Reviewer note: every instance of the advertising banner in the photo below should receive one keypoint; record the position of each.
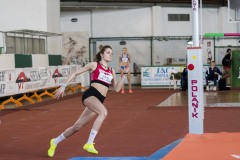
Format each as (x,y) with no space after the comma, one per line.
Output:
(158,76)
(23,80)
(7,82)
(28,79)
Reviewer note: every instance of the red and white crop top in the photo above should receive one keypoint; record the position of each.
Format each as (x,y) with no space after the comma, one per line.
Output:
(102,76)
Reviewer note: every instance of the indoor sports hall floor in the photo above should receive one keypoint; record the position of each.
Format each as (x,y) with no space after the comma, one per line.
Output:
(138,125)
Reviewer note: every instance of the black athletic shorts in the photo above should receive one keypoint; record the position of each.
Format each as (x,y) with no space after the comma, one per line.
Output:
(91,91)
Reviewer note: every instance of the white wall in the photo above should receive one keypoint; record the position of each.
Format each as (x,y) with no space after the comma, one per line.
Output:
(214,20)
(40,60)
(7,61)
(224,25)
(23,14)
(146,22)
(175,28)
(1,39)
(143,22)
(122,23)
(45,15)
(156,20)
(39,15)
(53,16)
(210,20)
(83,23)
(109,23)
(53,25)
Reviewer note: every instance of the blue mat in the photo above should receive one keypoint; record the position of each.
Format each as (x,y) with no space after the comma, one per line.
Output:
(155,156)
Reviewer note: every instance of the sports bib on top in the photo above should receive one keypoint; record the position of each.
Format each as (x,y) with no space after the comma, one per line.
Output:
(102,76)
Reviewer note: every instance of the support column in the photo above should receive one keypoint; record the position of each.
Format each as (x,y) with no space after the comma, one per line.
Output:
(195,78)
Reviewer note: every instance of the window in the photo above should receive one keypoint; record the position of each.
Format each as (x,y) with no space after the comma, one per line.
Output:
(25,45)
(178,17)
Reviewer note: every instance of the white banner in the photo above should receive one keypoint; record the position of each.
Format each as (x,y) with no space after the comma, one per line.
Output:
(28,79)
(22,80)
(78,78)
(158,76)
(7,82)
(44,73)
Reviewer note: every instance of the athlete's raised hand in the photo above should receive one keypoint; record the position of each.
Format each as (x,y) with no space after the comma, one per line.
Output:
(60,91)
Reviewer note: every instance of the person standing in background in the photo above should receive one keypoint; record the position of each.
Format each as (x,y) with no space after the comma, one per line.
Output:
(226,63)
(124,61)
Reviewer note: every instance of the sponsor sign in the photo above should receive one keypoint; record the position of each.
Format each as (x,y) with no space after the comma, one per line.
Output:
(158,76)
(22,80)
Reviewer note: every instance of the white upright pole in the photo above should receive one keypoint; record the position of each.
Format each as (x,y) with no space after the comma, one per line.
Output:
(201,29)
(195,78)
(195,23)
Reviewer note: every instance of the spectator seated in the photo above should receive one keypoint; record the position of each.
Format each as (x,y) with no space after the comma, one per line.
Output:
(213,74)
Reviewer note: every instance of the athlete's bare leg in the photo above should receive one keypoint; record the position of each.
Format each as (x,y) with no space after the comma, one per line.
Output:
(122,72)
(96,106)
(84,118)
(129,82)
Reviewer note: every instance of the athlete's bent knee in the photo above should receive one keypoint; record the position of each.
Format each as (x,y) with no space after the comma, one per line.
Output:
(103,114)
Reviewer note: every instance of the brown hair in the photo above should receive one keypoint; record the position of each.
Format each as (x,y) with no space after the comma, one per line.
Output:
(101,51)
(228,50)
(100,47)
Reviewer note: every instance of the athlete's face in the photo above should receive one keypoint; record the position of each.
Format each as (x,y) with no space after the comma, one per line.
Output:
(124,50)
(107,55)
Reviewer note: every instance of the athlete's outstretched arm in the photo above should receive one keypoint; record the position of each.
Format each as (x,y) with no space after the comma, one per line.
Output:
(89,67)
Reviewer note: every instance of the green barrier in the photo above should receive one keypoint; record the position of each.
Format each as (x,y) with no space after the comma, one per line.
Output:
(1,50)
(23,60)
(55,60)
(214,35)
(235,72)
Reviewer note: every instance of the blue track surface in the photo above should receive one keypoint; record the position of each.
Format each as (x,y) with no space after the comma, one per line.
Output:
(155,156)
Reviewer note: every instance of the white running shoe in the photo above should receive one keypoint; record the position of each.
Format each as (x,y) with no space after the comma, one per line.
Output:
(215,88)
(207,88)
